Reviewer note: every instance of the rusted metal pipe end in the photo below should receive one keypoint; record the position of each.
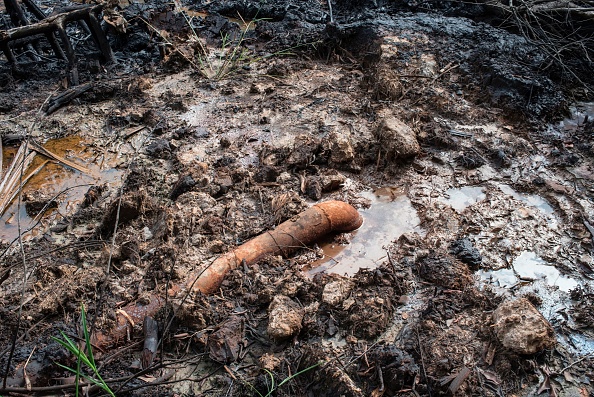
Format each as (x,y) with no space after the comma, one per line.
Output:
(343,217)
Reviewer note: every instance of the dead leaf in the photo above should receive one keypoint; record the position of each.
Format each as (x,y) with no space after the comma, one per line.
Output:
(490,376)
(27,380)
(491,349)
(568,376)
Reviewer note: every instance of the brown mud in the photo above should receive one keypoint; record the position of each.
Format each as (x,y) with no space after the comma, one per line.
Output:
(459,141)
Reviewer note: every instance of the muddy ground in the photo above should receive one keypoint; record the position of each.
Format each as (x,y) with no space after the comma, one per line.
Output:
(466,147)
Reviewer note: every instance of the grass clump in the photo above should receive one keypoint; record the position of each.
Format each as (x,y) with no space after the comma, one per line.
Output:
(84,358)
(273,386)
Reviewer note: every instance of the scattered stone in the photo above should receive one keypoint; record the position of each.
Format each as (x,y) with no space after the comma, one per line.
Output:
(332,182)
(397,139)
(520,327)
(160,149)
(304,151)
(284,318)
(224,344)
(183,185)
(341,150)
(335,292)
(216,247)
(467,253)
(445,271)
(313,188)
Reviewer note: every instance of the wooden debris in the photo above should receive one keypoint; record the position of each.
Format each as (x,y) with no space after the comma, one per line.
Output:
(10,185)
(64,98)
(41,150)
(17,174)
(151,341)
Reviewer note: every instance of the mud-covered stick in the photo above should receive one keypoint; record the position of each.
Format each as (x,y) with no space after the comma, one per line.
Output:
(307,227)
(126,318)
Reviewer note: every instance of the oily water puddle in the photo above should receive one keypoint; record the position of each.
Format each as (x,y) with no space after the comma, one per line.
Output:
(68,186)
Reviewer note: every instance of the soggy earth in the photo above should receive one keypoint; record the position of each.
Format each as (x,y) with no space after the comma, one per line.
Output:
(466,147)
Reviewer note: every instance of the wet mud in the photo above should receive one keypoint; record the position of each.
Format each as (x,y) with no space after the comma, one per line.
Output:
(457,139)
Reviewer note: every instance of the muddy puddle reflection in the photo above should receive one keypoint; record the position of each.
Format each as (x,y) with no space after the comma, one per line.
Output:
(532,200)
(390,215)
(580,114)
(527,268)
(56,180)
(462,198)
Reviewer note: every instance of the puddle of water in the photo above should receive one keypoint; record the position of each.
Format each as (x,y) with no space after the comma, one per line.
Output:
(583,345)
(196,115)
(529,267)
(578,115)
(390,215)
(532,200)
(462,198)
(55,178)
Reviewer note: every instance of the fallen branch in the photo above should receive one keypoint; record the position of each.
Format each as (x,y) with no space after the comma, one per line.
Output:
(10,184)
(64,98)
(307,227)
(41,150)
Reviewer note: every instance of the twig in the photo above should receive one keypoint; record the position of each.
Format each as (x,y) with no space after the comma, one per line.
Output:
(41,150)
(423,361)
(22,299)
(577,362)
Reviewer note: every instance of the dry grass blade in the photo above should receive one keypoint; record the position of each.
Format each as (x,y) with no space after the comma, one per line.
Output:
(41,150)
(11,184)
(8,199)
(18,157)
(278,203)
(12,181)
